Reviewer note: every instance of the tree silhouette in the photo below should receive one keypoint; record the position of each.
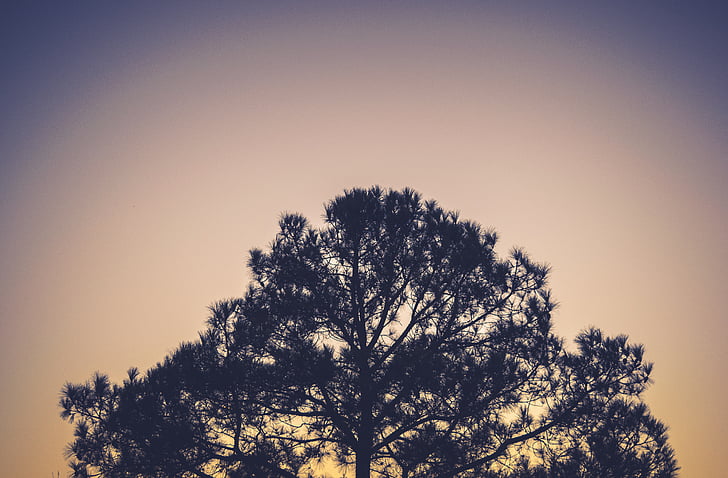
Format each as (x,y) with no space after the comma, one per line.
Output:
(392,342)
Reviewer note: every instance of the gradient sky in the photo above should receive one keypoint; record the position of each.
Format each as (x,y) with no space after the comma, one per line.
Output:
(145,149)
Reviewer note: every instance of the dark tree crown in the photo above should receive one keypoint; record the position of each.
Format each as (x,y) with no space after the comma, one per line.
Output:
(392,341)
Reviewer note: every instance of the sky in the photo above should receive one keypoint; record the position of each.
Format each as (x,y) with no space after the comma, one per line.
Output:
(145,149)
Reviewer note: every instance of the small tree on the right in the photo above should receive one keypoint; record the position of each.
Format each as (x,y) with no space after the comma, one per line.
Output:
(615,439)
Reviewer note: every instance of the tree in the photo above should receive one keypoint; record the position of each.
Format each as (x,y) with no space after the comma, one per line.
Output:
(392,341)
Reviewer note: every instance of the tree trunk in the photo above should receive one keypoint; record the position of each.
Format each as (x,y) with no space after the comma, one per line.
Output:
(365,432)
(364,438)
(363,462)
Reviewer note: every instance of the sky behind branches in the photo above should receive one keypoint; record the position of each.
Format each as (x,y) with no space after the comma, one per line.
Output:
(144,149)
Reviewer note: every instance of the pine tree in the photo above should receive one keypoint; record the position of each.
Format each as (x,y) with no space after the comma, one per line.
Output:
(392,342)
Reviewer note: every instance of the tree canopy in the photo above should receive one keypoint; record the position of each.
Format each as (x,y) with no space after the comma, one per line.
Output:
(391,341)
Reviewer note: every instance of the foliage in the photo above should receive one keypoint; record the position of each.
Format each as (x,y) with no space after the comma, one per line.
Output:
(391,342)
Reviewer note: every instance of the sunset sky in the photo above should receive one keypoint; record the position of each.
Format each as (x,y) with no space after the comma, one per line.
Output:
(145,149)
